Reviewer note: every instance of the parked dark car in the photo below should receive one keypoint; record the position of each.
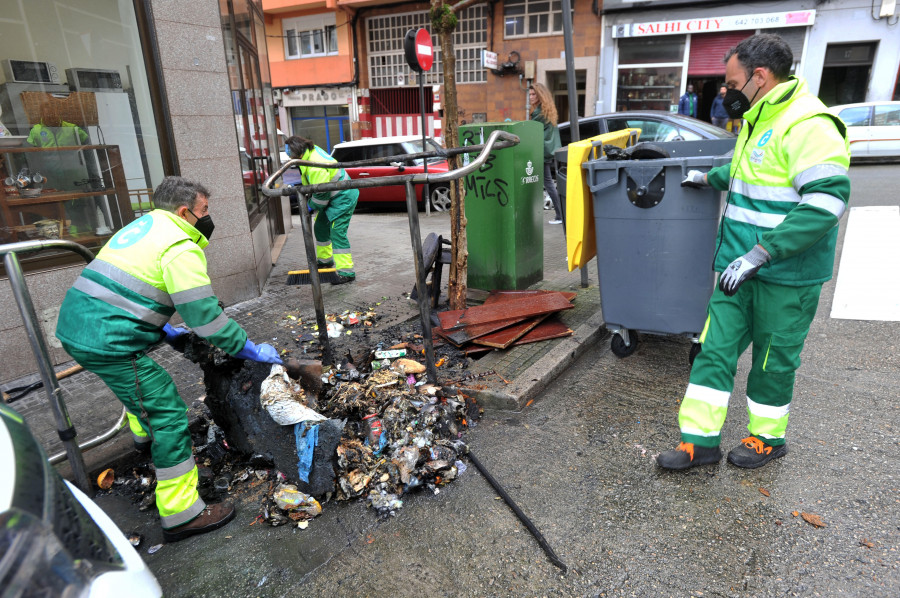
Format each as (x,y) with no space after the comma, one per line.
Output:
(384,147)
(655,125)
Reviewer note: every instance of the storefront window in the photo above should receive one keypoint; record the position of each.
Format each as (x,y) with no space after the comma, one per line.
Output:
(648,88)
(79,149)
(651,50)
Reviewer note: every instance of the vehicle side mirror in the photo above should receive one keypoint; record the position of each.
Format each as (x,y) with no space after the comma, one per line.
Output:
(399,166)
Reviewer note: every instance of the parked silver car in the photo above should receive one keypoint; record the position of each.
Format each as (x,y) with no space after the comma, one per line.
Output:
(54,540)
(873,129)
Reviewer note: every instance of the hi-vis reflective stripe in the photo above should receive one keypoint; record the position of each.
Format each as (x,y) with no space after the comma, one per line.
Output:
(765,193)
(826,202)
(182,297)
(129,282)
(323,243)
(696,432)
(705,394)
(767,411)
(89,287)
(213,327)
(170,473)
(753,217)
(818,172)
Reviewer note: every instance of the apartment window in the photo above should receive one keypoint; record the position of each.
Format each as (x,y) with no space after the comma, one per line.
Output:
(308,37)
(387,65)
(532,17)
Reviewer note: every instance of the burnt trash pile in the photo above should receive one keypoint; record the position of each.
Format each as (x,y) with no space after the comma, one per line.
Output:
(370,427)
(506,319)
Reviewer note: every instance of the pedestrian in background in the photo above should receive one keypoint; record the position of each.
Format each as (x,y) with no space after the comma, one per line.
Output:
(120,306)
(717,113)
(544,112)
(688,103)
(333,208)
(787,189)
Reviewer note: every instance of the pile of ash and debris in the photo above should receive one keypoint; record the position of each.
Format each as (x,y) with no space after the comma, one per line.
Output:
(370,426)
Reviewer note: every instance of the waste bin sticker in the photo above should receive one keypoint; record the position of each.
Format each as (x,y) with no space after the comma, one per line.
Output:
(530,176)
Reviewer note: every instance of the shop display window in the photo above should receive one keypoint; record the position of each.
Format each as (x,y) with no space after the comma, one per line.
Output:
(79,149)
(648,88)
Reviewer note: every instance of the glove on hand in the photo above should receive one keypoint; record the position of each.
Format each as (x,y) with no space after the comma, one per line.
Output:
(172,334)
(741,269)
(695,179)
(262,353)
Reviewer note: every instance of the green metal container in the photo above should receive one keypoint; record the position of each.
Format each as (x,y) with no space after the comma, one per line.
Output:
(504,208)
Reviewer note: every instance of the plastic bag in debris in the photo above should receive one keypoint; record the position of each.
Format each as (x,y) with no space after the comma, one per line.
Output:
(334,330)
(284,399)
(287,497)
(385,503)
(306,436)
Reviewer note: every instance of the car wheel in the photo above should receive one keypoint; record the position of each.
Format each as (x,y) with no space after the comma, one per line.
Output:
(440,198)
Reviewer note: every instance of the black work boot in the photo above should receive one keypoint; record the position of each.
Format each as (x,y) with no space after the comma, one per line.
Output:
(687,455)
(341,279)
(212,517)
(753,452)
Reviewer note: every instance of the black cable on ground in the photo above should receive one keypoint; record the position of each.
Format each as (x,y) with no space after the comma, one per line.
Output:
(22,390)
(522,517)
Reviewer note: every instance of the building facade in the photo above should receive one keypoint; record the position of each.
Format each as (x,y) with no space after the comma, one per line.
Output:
(102,99)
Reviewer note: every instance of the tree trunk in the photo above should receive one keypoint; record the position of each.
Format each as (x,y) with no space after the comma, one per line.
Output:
(443,22)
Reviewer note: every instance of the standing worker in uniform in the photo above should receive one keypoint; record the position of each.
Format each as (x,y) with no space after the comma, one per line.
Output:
(121,305)
(334,208)
(544,112)
(787,190)
(688,103)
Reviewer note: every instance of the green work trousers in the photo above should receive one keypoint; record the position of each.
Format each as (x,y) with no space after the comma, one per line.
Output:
(775,319)
(151,398)
(330,228)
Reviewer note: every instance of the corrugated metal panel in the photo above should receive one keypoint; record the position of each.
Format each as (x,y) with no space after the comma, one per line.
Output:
(708,50)
(794,37)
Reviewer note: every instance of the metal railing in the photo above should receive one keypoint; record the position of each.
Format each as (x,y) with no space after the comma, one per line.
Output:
(64,426)
(496,140)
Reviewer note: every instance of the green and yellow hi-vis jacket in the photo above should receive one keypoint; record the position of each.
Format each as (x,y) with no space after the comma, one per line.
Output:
(788,187)
(151,268)
(310,175)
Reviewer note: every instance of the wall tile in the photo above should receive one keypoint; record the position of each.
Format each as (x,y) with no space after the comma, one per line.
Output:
(205,14)
(190,47)
(198,94)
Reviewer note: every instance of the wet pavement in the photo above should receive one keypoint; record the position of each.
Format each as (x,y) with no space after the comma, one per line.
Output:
(579,461)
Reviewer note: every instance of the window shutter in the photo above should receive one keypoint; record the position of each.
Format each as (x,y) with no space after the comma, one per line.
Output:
(708,50)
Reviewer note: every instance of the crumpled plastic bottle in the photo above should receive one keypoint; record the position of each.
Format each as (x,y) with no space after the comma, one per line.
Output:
(287,497)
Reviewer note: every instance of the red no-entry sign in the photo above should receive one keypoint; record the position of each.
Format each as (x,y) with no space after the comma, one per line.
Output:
(418,49)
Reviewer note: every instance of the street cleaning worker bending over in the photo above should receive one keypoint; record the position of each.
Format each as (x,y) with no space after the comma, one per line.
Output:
(121,305)
(333,208)
(787,189)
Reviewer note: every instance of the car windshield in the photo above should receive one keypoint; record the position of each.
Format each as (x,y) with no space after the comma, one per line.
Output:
(415,147)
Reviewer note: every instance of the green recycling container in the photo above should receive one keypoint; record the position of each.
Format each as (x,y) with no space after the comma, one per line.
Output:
(504,208)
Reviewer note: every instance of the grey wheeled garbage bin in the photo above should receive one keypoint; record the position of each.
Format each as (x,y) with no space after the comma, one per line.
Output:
(655,241)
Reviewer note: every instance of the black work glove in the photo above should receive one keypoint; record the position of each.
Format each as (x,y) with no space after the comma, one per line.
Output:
(742,269)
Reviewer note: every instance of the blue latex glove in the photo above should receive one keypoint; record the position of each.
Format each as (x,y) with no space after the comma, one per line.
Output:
(262,353)
(172,334)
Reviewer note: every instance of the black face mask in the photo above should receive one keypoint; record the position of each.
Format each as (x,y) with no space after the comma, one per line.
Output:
(204,225)
(736,103)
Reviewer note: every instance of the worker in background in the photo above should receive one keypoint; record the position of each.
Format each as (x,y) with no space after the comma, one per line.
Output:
(687,105)
(787,189)
(120,306)
(334,208)
(717,113)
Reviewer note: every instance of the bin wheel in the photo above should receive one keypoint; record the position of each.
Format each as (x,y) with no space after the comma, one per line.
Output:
(617,344)
(695,351)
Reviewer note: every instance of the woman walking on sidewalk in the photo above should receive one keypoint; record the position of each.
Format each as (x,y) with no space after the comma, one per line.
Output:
(545,113)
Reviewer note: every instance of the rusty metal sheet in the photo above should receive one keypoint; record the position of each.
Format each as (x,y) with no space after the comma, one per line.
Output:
(527,306)
(461,336)
(477,350)
(501,296)
(548,329)
(502,339)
